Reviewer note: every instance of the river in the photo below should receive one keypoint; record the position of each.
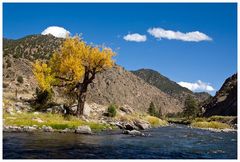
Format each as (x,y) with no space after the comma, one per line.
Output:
(171,142)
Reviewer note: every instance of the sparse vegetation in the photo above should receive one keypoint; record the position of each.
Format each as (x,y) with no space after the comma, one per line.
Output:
(20,79)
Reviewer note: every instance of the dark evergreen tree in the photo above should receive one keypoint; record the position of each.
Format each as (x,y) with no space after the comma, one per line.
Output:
(191,108)
(151,109)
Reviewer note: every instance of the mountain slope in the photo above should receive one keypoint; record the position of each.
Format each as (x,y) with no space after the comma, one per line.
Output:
(166,85)
(31,47)
(115,85)
(225,101)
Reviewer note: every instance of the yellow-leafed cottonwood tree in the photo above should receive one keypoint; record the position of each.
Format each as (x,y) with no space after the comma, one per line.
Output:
(73,66)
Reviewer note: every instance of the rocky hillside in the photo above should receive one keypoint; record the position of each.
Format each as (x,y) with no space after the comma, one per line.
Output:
(168,86)
(31,47)
(225,101)
(122,87)
(113,86)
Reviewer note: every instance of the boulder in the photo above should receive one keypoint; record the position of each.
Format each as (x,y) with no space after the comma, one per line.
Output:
(47,128)
(133,132)
(86,110)
(66,130)
(29,129)
(119,125)
(127,109)
(83,130)
(129,126)
(142,124)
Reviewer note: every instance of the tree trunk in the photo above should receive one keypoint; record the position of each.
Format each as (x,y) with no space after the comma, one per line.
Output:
(83,93)
(81,102)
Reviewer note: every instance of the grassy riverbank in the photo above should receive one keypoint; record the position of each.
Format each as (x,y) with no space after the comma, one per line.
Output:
(215,122)
(56,121)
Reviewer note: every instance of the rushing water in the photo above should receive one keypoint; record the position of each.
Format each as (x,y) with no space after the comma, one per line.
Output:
(172,142)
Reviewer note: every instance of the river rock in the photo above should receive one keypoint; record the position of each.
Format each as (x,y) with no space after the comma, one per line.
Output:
(47,129)
(129,126)
(66,130)
(118,124)
(133,132)
(29,128)
(142,124)
(83,130)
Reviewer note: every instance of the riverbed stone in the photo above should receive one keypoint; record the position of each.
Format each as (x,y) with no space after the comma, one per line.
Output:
(28,129)
(142,124)
(83,130)
(129,126)
(133,132)
(66,130)
(47,129)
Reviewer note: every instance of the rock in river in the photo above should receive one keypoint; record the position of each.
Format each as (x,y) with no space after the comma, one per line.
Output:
(133,132)
(83,130)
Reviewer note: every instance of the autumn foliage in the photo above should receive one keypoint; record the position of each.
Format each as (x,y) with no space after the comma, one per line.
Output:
(73,67)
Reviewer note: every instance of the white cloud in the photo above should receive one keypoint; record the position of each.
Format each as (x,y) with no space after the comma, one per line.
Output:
(198,86)
(194,36)
(135,37)
(56,31)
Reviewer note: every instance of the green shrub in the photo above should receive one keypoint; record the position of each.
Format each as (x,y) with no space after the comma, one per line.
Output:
(20,79)
(42,97)
(112,111)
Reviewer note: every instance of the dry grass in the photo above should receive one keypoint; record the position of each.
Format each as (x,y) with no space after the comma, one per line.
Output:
(154,121)
(211,124)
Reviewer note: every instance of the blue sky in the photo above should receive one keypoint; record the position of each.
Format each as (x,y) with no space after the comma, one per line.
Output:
(210,56)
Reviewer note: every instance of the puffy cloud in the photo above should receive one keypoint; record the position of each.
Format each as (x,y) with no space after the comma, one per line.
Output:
(198,86)
(135,37)
(56,31)
(194,36)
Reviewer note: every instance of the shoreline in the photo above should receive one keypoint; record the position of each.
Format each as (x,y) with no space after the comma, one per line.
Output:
(215,130)
(47,129)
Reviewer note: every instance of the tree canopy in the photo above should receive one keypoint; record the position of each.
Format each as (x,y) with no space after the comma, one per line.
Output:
(73,66)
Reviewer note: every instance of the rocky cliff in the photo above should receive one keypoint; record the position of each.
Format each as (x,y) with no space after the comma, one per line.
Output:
(225,101)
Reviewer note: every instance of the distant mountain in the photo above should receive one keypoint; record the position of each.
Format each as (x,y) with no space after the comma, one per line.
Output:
(225,101)
(168,86)
(115,85)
